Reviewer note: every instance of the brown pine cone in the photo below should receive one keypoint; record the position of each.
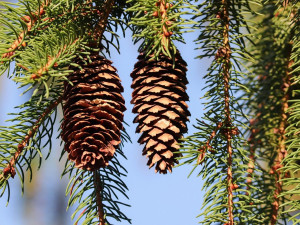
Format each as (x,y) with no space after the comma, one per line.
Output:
(159,100)
(93,113)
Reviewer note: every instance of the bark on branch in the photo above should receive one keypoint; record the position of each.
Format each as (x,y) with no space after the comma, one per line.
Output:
(98,191)
(226,51)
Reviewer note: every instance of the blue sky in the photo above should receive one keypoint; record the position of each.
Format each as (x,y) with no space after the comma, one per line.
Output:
(156,199)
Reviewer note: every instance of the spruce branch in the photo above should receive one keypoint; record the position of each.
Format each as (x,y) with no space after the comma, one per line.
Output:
(158,23)
(252,156)
(292,134)
(96,190)
(9,169)
(268,131)
(281,149)
(42,65)
(207,145)
(113,17)
(107,8)
(226,51)
(21,142)
(30,22)
(228,199)
(46,58)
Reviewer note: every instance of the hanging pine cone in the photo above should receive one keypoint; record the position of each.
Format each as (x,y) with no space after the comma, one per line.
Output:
(159,99)
(93,113)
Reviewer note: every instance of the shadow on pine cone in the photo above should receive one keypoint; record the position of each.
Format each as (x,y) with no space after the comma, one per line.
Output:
(93,113)
(159,100)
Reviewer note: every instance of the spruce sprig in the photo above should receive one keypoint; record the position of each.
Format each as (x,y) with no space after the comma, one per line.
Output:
(291,162)
(269,102)
(218,145)
(158,23)
(21,142)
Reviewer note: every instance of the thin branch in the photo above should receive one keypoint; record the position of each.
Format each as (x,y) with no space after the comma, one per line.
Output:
(226,73)
(252,142)
(9,169)
(207,145)
(29,23)
(98,190)
(100,28)
(281,149)
(163,7)
(51,62)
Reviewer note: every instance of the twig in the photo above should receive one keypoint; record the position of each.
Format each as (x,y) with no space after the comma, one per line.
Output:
(98,187)
(29,23)
(9,169)
(226,53)
(252,142)
(281,151)
(46,67)
(100,28)
(163,6)
(207,145)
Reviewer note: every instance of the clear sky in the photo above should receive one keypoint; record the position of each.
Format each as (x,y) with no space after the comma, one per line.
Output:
(156,199)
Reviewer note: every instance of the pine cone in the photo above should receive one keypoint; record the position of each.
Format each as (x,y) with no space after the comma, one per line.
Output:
(159,99)
(93,113)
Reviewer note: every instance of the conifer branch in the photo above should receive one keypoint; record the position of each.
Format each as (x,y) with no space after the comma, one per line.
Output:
(158,23)
(226,66)
(49,64)
(250,166)
(281,147)
(207,145)
(107,8)
(268,131)
(252,143)
(98,192)
(292,134)
(21,142)
(224,167)
(30,21)
(9,169)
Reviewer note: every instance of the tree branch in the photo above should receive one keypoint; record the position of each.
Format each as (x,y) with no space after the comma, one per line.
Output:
(29,23)
(225,50)
(48,65)
(281,149)
(100,28)
(163,6)
(252,142)
(9,169)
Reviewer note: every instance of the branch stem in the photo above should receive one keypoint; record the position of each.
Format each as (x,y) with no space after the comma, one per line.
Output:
(98,190)
(207,145)
(281,147)
(107,8)
(226,73)
(51,62)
